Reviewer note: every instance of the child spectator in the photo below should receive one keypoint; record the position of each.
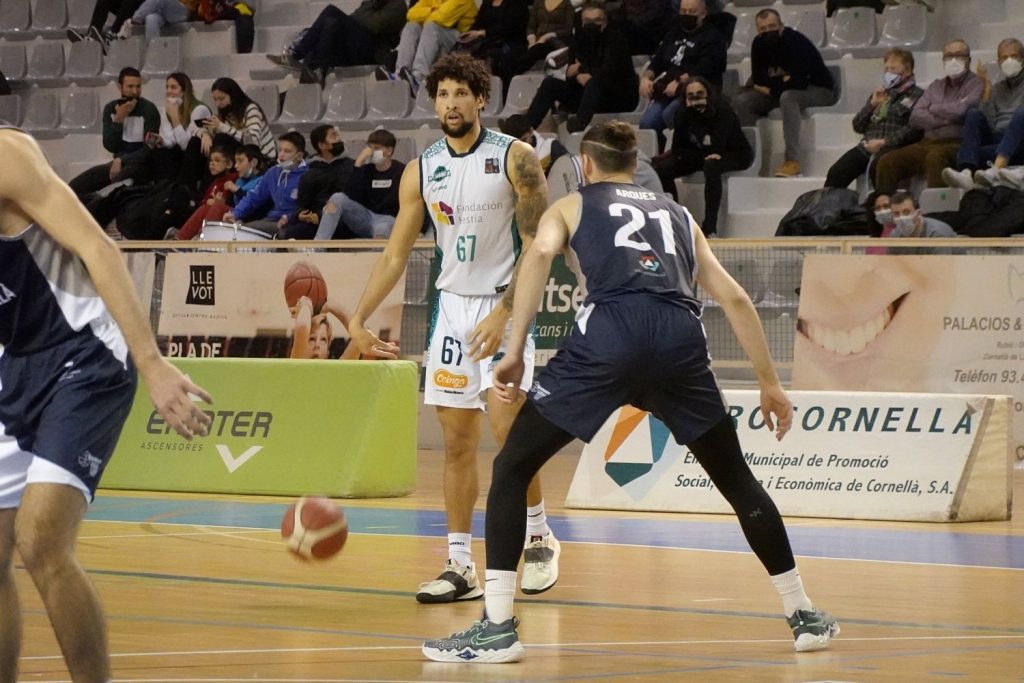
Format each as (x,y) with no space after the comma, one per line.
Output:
(269,206)
(214,202)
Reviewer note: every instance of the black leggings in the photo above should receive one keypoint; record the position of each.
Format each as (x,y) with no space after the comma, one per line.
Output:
(533,439)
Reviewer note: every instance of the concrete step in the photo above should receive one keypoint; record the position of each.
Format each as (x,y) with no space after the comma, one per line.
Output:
(761,194)
(760,224)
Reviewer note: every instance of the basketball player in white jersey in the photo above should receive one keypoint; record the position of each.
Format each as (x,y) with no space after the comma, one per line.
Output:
(485,193)
(69,319)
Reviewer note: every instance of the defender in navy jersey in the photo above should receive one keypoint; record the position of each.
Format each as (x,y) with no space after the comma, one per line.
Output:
(484,193)
(638,340)
(72,334)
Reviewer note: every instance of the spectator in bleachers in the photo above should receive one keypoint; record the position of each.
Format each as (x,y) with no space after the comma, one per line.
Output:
(330,171)
(832,5)
(644,23)
(128,123)
(182,115)
(787,72)
(707,138)
(908,221)
(274,201)
(498,36)
(122,11)
(238,116)
(940,114)
(156,14)
(599,76)
(249,171)
(367,208)
(692,47)
(549,28)
(214,203)
(432,28)
(545,145)
(339,39)
(239,12)
(994,133)
(883,121)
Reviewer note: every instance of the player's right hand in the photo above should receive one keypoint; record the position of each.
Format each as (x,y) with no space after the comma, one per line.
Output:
(369,344)
(171,393)
(508,374)
(774,401)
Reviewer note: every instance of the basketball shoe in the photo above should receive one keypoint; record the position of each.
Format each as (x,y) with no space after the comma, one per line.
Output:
(540,564)
(812,629)
(482,643)
(456,582)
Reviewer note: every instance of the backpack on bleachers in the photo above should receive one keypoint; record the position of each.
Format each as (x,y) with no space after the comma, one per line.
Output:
(825,212)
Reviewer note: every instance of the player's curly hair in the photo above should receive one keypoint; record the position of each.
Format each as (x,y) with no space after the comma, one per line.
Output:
(463,68)
(612,146)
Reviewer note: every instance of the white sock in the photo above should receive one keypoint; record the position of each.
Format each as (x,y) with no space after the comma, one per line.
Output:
(499,592)
(460,548)
(791,589)
(536,520)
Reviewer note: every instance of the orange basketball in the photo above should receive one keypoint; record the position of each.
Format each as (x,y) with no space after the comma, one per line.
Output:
(314,528)
(305,279)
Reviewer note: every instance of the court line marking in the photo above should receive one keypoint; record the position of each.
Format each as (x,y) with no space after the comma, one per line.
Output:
(599,543)
(620,643)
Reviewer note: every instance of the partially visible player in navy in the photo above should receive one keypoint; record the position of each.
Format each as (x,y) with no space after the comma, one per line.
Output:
(69,319)
(638,340)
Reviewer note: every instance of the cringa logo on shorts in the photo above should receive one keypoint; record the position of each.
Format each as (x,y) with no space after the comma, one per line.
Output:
(450,380)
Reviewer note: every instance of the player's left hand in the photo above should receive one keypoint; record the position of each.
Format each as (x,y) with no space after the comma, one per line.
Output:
(485,339)
(508,375)
(774,401)
(171,394)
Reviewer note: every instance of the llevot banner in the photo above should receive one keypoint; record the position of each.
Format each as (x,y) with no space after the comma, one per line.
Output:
(922,457)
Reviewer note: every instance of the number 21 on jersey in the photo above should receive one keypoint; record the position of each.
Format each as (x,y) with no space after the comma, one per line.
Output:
(631,234)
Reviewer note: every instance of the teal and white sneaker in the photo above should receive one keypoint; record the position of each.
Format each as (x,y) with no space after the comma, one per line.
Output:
(812,629)
(482,643)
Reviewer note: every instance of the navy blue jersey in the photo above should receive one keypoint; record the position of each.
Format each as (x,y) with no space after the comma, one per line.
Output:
(631,241)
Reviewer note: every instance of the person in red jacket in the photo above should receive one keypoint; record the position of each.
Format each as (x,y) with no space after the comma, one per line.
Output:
(213,205)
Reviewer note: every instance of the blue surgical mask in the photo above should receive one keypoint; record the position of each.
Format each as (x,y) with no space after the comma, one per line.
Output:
(904,223)
(890,79)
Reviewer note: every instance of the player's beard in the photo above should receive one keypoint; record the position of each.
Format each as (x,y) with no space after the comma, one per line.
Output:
(458,131)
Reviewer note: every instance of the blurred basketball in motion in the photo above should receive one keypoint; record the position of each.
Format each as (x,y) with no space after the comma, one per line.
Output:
(314,528)
(304,279)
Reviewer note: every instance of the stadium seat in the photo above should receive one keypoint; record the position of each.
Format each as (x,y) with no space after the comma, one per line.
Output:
(760,4)
(49,17)
(495,103)
(405,149)
(42,115)
(802,2)
(753,134)
(520,93)
(423,108)
(940,199)
(80,13)
(283,14)
(163,56)
(46,63)
(266,95)
(302,104)
(10,109)
(346,101)
(122,53)
(16,19)
(809,21)
(903,26)
(85,62)
(743,36)
(853,27)
(647,141)
(388,100)
(730,82)
(13,61)
(81,112)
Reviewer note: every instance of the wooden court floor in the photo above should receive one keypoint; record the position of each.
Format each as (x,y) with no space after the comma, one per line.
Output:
(199,588)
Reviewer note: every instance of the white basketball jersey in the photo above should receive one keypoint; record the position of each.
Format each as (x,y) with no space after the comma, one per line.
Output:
(470,200)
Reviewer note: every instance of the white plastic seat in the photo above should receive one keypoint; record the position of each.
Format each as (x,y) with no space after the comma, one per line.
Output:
(163,56)
(49,16)
(302,104)
(388,100)
(46,61)
(13,61)
(521,91)
(346,101)
(267,96)
(122,53)
(81,112)
(853,27)
(903,26)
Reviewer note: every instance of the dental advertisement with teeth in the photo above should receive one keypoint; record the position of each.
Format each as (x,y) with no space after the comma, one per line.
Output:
(912,457)
(946,324)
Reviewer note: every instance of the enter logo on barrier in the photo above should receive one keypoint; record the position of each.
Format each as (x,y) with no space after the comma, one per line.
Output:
(233,463)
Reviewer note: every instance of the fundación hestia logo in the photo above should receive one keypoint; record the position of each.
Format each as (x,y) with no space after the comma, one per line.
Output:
(201,287)
(443,214)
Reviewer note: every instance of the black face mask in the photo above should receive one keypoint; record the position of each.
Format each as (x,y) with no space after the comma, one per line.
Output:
(591,31)
(771,39)
(687,22)
(698,107)
(337,149)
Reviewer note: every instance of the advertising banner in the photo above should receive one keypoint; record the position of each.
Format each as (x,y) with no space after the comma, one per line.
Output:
(142,268)
(280,427)
(250,305)
(947,324)
(921,457)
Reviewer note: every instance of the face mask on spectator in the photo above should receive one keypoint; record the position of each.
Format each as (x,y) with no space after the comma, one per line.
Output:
(954,67)
(884,216)
(1011,67)
(174,101)
(771,39)
(699,106)
(890,79)
(904,223)
(591,30)
(377,156)
(287,165)
(337,149)
(688,22)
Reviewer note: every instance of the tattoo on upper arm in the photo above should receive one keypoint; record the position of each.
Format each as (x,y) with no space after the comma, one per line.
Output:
(531,192)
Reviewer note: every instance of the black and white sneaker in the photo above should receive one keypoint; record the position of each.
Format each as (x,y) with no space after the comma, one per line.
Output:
(406,74)
(75,36)
(456,582)
(482,643)
(287,61)
(813,629)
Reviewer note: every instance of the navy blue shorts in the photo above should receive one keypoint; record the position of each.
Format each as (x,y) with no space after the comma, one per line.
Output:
(61,413)
(652,356)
